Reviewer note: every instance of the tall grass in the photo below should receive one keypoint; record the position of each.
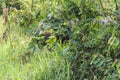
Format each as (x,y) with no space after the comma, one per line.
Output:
(42,65)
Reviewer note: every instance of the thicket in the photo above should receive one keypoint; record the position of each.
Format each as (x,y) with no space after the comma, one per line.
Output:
(85,32)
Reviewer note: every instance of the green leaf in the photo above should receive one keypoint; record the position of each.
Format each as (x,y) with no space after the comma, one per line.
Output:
(97,60)
(66,50)
(116,42)
(100,63)
(118,64)
(93,59)
(111,40)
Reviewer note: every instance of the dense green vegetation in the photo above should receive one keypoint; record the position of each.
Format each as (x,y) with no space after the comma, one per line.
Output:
(59,40)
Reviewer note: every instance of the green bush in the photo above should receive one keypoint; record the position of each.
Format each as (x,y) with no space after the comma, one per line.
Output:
(84,32)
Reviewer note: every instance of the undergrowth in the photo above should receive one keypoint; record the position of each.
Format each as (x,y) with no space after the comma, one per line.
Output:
(42,65)
(60,40)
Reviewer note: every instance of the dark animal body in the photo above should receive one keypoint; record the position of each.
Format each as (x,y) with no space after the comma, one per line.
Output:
(59,38)
(5,34)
